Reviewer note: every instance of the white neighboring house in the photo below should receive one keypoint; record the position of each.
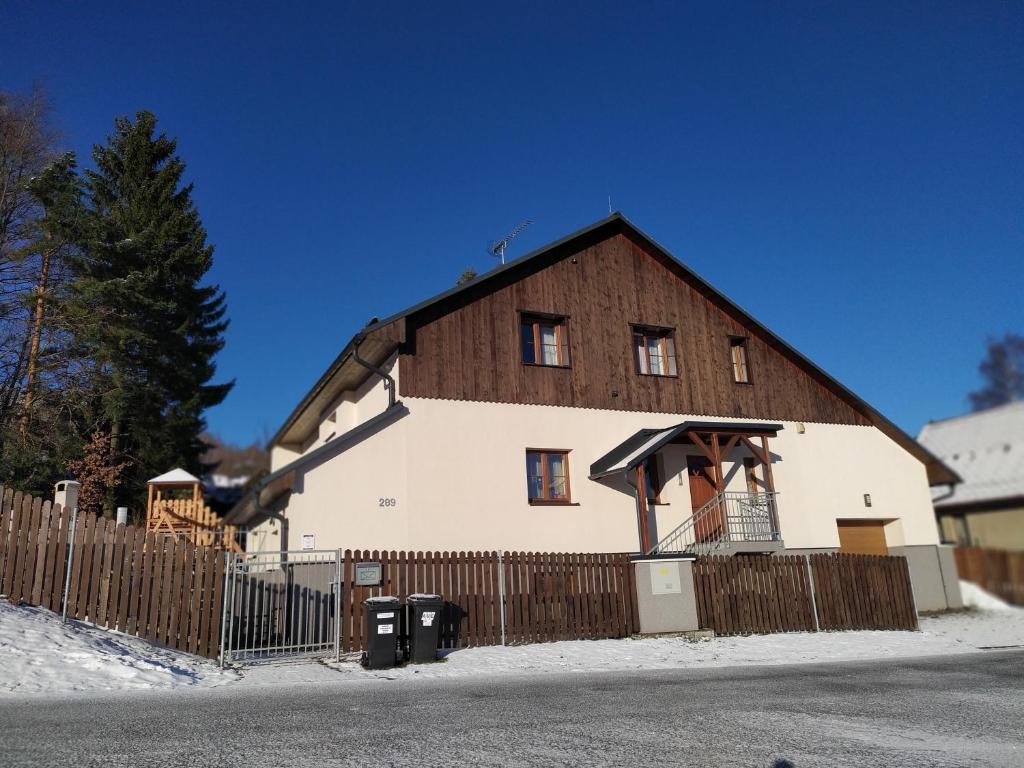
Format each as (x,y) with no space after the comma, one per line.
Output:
(986,449)
(593,396)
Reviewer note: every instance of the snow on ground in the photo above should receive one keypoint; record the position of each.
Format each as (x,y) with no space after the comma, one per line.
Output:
(39,654)
(976,597)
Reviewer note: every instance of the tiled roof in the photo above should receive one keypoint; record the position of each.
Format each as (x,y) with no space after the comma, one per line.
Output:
(985,448)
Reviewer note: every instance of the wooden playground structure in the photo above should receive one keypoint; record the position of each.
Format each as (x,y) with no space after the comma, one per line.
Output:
(175,505)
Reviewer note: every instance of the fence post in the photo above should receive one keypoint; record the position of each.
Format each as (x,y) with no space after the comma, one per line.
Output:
(810,584)
(67,571)
(501,593)
(229,558)
(337,606)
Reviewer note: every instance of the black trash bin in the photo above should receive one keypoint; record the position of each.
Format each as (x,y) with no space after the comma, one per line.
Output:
(424,613)
(382,617)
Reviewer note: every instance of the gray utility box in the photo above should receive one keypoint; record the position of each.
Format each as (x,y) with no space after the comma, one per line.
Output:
(424,627)
(382,624)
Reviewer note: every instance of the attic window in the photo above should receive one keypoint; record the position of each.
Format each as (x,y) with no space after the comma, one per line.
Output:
(544,340)
(654,351)
(740,362)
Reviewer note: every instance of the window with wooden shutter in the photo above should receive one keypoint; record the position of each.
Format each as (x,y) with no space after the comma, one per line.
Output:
(544,340)
(654,351)
(547,476)
(740,362)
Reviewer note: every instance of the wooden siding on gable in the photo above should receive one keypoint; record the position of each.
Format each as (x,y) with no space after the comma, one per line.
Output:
(471,351)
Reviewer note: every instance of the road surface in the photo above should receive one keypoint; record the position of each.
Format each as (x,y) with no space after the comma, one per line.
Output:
(948,711)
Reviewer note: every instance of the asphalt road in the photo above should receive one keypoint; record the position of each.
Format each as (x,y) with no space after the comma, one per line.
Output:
(951,711)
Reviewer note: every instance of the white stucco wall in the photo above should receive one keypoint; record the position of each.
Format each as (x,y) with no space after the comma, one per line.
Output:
(456,474)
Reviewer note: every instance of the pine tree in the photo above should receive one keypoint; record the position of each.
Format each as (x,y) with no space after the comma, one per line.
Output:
(146,321)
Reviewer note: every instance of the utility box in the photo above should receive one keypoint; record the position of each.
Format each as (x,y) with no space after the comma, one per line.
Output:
(424,620)
(382,625)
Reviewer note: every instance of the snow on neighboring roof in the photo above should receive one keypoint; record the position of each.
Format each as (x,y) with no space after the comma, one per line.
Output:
(177,475)
(985,448)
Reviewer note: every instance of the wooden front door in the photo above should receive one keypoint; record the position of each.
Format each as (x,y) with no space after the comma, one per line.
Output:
(702,490)
(862,537)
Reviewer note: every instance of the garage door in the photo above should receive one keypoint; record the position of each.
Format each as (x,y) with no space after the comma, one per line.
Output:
(862,537)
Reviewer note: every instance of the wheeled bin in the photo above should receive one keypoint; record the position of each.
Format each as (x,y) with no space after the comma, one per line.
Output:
(424,622)
(382,624)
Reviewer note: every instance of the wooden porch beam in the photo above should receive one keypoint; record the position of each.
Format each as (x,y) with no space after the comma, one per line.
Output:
(698,441)
(730,445)
(763,457)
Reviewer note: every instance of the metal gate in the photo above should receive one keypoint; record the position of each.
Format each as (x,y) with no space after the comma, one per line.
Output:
(281,605)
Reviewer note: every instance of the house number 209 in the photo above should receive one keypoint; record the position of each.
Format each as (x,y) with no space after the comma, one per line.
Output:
(388,502)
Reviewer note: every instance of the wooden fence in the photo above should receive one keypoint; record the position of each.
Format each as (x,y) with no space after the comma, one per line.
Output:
(741,595)
(122,577)
(545,596)
(994,570)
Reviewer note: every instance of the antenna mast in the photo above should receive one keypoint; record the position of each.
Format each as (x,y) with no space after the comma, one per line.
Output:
(498,249)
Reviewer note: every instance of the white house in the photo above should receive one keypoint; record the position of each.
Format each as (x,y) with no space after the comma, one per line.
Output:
(593,396)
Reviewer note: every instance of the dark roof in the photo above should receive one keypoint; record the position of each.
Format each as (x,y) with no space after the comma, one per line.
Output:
(938,473)
(638,447)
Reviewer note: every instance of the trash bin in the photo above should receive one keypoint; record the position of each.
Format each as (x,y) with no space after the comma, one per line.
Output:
(424,627)
(382,616)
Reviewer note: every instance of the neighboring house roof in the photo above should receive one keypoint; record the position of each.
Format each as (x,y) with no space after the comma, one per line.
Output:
(383,337)
(177,475)
(986,449)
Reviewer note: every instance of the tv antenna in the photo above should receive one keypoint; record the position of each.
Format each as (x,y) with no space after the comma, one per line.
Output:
(497,249)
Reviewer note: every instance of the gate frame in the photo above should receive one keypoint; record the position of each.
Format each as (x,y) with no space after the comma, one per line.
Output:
(233,561)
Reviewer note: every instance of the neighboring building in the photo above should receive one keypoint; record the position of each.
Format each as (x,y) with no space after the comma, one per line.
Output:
(536,399)
(987,450)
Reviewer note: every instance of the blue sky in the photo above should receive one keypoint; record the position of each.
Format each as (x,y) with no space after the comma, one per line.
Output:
(850,173)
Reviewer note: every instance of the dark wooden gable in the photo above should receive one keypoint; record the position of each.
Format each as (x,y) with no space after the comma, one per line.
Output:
(468,348)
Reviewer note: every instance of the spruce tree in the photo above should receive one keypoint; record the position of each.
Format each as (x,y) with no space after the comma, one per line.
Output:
(149,325)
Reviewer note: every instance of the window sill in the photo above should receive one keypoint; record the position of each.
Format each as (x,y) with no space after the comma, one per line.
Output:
(743,383)
(552,503)
(658,375)
(546,365)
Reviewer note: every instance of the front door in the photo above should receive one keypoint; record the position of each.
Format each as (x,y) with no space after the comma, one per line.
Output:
(702,490)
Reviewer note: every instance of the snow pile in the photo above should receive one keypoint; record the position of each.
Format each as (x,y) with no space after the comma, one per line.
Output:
(39,654)
(976,597)
(964,632)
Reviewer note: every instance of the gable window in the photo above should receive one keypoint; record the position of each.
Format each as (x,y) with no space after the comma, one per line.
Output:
(654,351)
(740,363)
(547,476)
(544,340)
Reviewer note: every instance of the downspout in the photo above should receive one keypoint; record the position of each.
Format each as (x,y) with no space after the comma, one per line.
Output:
(389,385)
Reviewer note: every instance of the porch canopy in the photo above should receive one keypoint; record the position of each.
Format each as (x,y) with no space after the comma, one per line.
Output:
(714,439)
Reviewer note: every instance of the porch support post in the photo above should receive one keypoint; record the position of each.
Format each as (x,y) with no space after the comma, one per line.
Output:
(716,454)
(641,510)
(768,480)
(769,483)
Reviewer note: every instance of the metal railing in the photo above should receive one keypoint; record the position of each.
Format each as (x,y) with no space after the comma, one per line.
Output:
(281,605)
(725,519)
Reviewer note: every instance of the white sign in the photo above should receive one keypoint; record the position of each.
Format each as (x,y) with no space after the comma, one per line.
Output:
(390,615)
(385,629)
(665,579)
(428,618)
(308,541)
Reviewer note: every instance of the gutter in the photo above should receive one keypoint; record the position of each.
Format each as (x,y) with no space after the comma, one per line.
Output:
(394,408)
